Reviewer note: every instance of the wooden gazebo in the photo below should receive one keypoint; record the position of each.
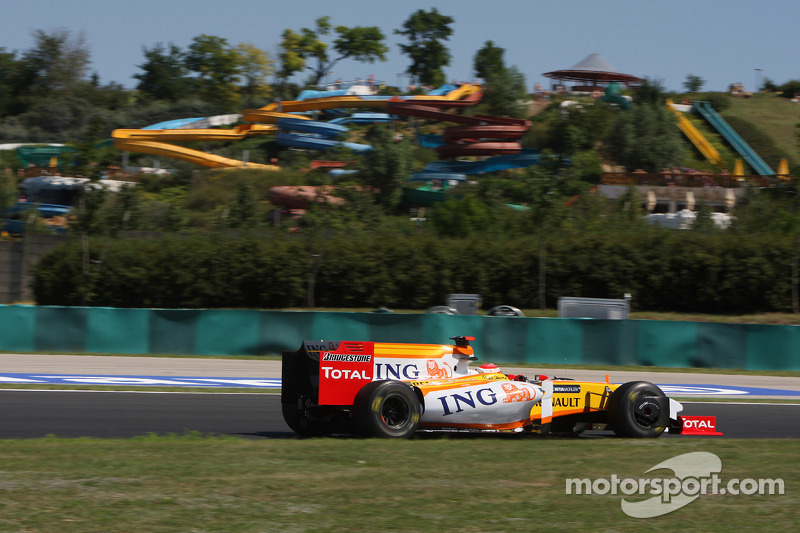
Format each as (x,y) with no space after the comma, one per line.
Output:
(591,74)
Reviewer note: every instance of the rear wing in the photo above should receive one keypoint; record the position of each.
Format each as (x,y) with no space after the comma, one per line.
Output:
(332,372)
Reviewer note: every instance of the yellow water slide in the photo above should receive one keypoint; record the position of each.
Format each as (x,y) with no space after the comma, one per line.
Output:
(152,142)
(697,138)
(463,91)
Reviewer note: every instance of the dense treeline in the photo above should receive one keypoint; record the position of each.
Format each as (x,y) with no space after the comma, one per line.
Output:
(660,268)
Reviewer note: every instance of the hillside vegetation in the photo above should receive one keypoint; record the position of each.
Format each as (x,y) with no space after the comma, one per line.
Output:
(775,117)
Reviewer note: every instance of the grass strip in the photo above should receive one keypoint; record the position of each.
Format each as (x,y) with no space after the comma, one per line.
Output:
(496,483)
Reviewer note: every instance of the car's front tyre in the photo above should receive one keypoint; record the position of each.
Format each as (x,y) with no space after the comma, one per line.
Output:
(638,409)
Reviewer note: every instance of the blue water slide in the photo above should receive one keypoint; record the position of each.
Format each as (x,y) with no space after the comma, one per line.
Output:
(430,141)
(429,176)
(443,90)
(526,158)
(308,93)
(16,223)
(362,118)
(298,140)
(339,172)
(173,124)
(323,129)
(733,138)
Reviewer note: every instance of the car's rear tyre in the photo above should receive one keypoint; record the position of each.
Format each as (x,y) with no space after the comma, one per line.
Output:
(386,409)
(638,409)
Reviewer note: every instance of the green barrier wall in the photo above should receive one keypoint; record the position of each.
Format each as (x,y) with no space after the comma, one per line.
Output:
(499,339)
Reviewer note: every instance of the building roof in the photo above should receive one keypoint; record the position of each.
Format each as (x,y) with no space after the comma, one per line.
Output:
(595,69)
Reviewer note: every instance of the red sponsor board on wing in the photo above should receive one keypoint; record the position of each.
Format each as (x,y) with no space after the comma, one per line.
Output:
(699,425)
(344,371)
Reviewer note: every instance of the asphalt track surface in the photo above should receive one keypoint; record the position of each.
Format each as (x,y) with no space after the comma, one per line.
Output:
(34,414)
(37,413)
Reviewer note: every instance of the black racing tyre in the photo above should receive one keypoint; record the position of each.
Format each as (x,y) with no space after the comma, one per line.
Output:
(638,409)
(386,409)
(297,420)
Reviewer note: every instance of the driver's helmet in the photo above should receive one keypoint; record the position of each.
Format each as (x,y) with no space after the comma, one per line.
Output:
(488,368)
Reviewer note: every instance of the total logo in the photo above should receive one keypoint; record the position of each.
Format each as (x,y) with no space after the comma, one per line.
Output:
(699,424)
(343,373)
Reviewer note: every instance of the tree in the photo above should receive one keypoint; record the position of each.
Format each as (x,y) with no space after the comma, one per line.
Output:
(58,63)
(488,60)
(425,32)
(645,137)
(386,167)
(218,70)
(461,217)
(255,67)
(291,57)
(362,43)
(504,91)
(769,85)
(9,88)
(243,212)
(546,197)
(693,83)
(8,191)
(579,127)
(165,75)
(650,91)
(790,89)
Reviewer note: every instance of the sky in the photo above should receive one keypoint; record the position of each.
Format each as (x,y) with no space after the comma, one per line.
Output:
(721,41)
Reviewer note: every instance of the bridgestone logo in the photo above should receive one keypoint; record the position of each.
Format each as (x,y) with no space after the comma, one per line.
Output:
(347,358)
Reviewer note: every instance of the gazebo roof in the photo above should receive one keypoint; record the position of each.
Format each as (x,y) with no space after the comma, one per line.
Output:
(593,68)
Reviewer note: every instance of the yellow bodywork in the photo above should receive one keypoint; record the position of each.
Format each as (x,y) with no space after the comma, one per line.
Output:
(420,351)
(591,397)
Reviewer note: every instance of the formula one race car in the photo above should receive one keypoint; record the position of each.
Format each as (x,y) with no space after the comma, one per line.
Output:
(393,390)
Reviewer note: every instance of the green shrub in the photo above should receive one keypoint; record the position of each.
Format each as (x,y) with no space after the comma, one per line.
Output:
(664,270)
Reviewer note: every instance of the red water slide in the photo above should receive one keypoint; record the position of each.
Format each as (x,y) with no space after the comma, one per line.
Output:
(480,135)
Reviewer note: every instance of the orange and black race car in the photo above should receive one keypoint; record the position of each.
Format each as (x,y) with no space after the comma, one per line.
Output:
(396,389)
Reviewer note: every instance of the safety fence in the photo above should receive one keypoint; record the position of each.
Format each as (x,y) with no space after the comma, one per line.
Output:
(550,341)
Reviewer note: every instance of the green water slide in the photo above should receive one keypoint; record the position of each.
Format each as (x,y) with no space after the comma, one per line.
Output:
(733,138)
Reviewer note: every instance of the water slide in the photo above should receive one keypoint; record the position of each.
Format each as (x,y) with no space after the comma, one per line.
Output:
(697,138)
(525,158)
(465,95)
(150,141)
(314,135)
(156,141)
(733,138)
(362,118)
(479,135)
